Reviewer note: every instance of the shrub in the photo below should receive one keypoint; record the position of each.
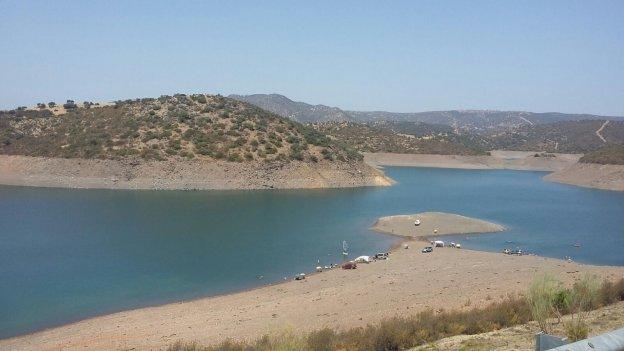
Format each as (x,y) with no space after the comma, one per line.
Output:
(576,330)
(583,298)
(542,294)
(70,105)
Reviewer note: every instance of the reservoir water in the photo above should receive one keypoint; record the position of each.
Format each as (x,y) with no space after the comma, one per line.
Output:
(66,255)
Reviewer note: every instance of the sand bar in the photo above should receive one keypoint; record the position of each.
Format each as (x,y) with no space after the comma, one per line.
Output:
(408,282)
(440,222)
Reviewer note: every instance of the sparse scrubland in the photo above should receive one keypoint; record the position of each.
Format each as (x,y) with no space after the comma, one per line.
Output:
(608,155)
(402,137)
(172,142)
(546,298)
(169,127)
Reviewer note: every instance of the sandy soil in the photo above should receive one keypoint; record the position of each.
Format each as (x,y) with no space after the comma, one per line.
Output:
(517,160)
(408,282)
(522,337)
(110,174)
(608,177)
(441,223)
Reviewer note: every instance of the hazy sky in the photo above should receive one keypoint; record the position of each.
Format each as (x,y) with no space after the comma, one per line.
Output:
(565,56)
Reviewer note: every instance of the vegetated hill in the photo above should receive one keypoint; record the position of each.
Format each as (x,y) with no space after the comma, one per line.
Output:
(401,137)
(169,127)
(461,120)
(565,137)
(298,111)
(612,154)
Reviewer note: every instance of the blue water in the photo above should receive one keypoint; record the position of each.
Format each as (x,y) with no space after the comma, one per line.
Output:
(71,254)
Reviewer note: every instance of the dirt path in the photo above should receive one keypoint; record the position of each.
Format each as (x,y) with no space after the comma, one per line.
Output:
(526,120)
(600,130)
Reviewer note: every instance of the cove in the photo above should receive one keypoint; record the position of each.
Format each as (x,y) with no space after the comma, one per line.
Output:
(67,254)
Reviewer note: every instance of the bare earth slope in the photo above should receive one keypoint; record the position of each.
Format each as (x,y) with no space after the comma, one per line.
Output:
(518,160)
(336,298)
(184,174)
(592,175)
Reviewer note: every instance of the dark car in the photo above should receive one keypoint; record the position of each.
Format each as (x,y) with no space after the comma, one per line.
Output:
(349,265)
(381,256)
(427,249)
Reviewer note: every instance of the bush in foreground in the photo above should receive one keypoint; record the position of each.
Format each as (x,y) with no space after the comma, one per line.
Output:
(401,333)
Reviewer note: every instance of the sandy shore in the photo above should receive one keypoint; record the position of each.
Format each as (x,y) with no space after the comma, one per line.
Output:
(440,222)
(194,174)
(406,283)
(516,160)
(608,177)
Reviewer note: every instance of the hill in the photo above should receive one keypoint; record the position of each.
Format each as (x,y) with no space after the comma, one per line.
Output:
(608,155)
(195,134)
(566,137)
(297,111)
(401,137)
(462,120)
(170,127)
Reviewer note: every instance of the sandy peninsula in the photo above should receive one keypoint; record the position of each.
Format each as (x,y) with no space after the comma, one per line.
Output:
(607,177)
(408,282)
(433,224)
(184,175)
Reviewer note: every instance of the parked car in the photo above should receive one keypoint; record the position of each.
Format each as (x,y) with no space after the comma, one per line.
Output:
(381,256)
(300,276)
(427,249)
(349,265)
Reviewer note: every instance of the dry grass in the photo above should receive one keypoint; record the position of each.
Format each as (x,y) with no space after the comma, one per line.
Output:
(402,333)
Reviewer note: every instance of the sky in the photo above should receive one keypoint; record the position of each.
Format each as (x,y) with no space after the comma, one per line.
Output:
(402,56)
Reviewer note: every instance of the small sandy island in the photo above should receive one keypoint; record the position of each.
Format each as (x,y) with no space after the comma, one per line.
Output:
(433,224)
(408,282)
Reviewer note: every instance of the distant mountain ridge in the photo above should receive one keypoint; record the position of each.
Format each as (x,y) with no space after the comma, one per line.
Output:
(461,120)
(298,111)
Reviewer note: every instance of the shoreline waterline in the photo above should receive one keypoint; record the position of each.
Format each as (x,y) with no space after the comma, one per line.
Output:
(396,201)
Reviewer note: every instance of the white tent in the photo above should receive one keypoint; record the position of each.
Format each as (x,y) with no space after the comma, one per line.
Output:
(363,259)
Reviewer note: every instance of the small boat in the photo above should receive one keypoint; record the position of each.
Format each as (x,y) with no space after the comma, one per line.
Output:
(417,222)
(577,244)
(345,248)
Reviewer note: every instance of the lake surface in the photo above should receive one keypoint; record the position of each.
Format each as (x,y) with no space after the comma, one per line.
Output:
(67,254)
